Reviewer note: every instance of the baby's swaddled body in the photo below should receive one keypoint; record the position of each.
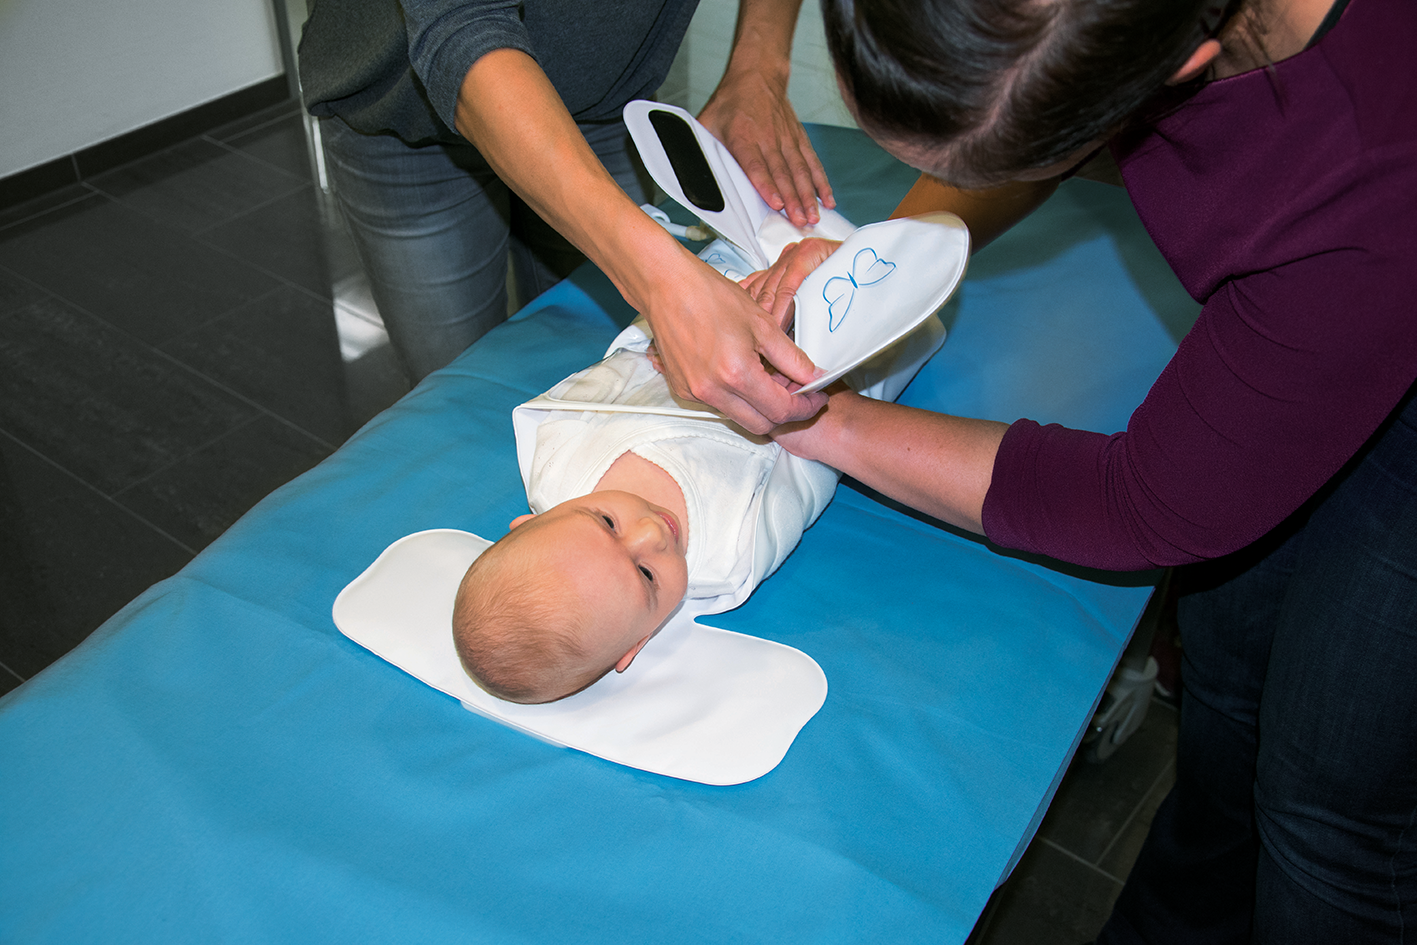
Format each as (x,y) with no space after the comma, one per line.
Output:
(747,499)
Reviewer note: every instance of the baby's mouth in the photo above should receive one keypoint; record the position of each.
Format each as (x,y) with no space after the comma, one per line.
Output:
(673,526)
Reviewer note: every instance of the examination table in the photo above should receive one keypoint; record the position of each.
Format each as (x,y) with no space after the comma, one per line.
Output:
(217,763)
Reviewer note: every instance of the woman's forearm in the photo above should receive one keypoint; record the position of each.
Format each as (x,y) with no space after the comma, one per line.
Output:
(711,337)
(987,213)
(936,463)
(512,114)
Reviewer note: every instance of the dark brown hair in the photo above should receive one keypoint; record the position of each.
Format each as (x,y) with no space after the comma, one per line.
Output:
(1001,87)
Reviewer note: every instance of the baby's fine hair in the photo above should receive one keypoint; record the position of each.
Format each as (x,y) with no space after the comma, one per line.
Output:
(515,631)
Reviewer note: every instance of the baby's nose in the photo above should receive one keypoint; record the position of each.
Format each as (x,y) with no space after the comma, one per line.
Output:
(650,531)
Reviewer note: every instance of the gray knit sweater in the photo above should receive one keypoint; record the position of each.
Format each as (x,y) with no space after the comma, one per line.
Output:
(395,66)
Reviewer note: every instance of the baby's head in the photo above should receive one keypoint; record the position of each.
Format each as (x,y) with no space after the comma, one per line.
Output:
(569,595)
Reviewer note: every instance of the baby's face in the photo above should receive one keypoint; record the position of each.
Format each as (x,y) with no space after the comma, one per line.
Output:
(622,556)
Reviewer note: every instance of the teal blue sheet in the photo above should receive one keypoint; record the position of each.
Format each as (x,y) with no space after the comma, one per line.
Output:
(218,764)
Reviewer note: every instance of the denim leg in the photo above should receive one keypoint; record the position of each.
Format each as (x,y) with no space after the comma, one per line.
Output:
(1193,881)
(1292,818)
(1336,780)
(431,227)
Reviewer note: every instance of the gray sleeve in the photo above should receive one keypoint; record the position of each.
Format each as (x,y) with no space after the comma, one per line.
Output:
(445,38)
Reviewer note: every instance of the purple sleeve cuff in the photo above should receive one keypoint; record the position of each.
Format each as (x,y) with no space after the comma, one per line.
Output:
(1048,496)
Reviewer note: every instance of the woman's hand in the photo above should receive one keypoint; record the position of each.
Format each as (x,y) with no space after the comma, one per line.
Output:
(716,345)
(750,113)
(758,125)
(812,438)
(939,464)
(775,287)
(712,338)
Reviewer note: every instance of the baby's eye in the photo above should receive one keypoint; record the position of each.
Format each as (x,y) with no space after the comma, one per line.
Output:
(646,572)
(609,522)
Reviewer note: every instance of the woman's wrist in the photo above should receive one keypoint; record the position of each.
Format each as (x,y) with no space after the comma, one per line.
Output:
(643,260)
(822,438)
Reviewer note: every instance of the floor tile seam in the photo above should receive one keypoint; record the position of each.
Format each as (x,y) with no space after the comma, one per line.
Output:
(13,673)
(233,149)
(110,499)
(210,322)
(309,293)
(201,233)
(17,274)
(278,112)
(145,156)
(214,382)
(150,155)
(195,234)
(201,239)
(262,162)
(1166,770)
(116,496)
(71,303)
(171,229)
(1093,867)
(153,349)
(305,291)
(83,184)
(266,411)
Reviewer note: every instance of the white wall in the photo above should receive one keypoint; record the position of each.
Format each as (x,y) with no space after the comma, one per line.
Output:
(77,72)
(811,87)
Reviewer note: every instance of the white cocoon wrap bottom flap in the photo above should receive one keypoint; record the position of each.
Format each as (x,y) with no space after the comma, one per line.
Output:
(699,703)
(876,288)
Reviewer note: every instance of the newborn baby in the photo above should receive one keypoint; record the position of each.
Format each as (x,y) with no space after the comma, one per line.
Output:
(640,505)
(579,589)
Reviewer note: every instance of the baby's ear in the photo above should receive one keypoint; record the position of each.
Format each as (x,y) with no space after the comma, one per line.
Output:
(521,518)
(629,657)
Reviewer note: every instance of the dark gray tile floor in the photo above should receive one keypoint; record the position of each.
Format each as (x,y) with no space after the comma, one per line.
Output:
(173,346)
(183,334)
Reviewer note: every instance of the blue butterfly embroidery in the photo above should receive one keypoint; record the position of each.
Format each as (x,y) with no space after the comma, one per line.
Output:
(840,291)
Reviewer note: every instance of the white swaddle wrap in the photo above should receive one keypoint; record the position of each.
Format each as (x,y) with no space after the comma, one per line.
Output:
(698,703)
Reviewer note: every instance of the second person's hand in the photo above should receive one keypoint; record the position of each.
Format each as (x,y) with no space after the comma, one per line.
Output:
(775,287)
(758,125)
(751,114)
(716,345)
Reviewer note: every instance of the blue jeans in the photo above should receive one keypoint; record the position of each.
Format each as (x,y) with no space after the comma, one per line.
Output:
(1294,814)
(433,226)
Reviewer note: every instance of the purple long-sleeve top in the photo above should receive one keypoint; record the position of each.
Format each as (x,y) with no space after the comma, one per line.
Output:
(1286,202)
